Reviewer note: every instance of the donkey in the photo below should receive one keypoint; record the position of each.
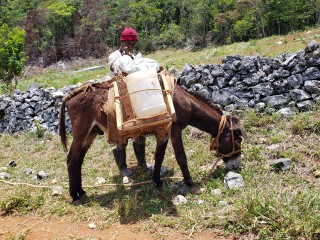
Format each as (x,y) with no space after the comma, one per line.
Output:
(88,120)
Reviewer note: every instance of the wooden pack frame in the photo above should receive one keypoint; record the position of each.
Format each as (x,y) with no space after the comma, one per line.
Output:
(129,126)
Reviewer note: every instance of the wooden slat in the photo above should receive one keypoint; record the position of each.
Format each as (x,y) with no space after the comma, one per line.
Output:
(118,108)
(145,128)
(169,96)
(143,121)
(125,100)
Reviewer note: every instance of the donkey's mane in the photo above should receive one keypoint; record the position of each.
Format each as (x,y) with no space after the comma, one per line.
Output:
(201,97)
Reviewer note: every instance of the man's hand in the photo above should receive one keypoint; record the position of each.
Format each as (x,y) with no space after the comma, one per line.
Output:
(114,69)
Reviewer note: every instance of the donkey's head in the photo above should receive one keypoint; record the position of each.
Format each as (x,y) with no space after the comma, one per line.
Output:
(228,141)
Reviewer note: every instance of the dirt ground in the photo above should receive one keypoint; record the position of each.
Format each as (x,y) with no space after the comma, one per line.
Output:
(36,228)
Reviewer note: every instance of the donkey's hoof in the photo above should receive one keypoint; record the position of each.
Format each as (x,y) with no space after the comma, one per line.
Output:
(126,172)
(77,202)
(196,190)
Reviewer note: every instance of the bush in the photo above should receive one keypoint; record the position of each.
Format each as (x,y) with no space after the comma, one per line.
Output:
(171,36)
(11,54)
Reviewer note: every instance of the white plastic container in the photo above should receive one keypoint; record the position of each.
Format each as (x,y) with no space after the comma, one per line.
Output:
(145,93)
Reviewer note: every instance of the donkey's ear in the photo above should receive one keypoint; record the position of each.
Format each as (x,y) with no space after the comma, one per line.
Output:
(245,136)
(237,127)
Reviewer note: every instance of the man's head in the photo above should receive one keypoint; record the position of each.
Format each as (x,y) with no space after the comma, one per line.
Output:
(128,40)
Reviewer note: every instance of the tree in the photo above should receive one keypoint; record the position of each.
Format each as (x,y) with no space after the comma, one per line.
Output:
(11,54)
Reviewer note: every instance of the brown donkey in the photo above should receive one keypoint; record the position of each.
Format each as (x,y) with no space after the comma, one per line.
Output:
(84,108)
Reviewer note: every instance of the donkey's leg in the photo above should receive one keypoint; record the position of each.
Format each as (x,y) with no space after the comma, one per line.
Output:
(84,151)
(78,150)
(73,164)
(177,144)
(158,157)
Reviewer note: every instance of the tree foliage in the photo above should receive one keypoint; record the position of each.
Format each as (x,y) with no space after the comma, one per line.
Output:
(11,53)
(61,29)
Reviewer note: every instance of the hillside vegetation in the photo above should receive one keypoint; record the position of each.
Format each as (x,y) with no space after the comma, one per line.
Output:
(62,29)
(67,72)
(273,204)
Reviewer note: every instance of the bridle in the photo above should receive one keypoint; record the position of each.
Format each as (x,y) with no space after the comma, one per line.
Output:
(214,142)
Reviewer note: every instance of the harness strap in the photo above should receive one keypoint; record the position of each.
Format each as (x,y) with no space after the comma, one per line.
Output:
(214,142)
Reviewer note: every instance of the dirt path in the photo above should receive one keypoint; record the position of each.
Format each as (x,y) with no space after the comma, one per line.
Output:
(36,228)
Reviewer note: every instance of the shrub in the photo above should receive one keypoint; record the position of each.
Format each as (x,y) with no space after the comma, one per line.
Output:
(12,58)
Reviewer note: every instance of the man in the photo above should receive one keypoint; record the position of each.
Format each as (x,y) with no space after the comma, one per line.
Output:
(128,40)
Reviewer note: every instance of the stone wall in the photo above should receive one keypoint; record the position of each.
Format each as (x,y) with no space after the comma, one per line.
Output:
(287,83)
(37,107)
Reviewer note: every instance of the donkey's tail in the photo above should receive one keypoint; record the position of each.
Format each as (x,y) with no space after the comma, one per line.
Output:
(62,126)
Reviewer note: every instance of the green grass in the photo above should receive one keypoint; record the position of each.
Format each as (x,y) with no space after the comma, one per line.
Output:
(272,205)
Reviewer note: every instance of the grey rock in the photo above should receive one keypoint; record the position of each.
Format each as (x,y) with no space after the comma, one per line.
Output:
(276,101)
(287,112)
(295,81)
(299,95)
(4,175)
(259,107)
(264,89)
(313,45)
(311,73)
(179,199)
(304,105)
(281,164)
(233,180)
(312,86)
(42,174)
(28,171)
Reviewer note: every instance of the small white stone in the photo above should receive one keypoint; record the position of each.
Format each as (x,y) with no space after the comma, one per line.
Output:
(100,180)
(179,199)
(4,175)
(273,146)
(216,191)
(57,94)
(125,180)
(57,191)
(200,201)
(92,225)
(222,203)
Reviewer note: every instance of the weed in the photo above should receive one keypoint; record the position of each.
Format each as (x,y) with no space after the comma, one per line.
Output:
(23,202)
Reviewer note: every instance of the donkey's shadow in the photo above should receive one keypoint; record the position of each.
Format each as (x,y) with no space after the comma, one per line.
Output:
(138,202)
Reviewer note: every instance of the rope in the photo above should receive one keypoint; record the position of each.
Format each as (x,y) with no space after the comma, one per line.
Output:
(214,142)
(142,90)
(95,186)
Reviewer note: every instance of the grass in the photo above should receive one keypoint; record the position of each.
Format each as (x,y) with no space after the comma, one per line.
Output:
(272,205)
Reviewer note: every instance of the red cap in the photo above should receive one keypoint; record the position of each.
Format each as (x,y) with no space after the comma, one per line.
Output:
(129,34)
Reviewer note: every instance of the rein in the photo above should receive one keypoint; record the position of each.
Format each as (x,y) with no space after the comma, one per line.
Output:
(214,142)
